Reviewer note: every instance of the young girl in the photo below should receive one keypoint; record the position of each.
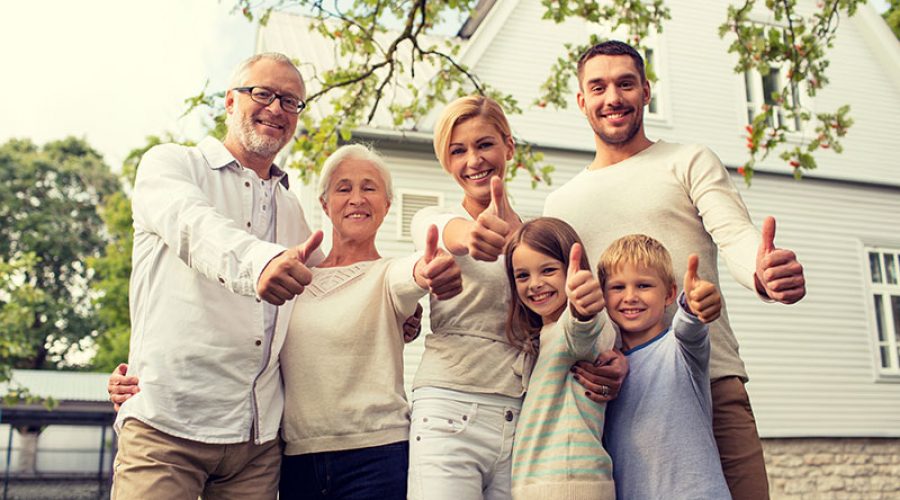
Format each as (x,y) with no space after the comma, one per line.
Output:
(558,452)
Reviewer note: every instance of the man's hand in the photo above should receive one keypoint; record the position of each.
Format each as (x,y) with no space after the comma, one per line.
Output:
(488,236)
(778,274)
(603,378)
(437,270)
(286,275)
(702,297)
(121,386)
(582,288)
(412,327)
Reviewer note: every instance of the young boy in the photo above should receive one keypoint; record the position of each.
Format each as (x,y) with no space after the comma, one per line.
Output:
(659,430)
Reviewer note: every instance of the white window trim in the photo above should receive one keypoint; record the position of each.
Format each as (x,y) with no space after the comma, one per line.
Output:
(892,373)
(400,194)
(663,115)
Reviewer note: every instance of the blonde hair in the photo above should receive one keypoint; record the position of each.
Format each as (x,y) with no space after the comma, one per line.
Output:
(553,238)
(638,250)
(354,152)
(461,110)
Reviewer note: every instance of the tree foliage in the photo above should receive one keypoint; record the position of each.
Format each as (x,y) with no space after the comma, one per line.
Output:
(892,17)
(372,57)
(49,198)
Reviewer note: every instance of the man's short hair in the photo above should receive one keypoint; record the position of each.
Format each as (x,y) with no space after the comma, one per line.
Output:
(240,72)
(611,48)
(638,250)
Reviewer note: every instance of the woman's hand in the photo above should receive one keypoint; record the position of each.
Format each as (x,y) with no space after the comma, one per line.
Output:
(437,270)
(603,378)
(487,238)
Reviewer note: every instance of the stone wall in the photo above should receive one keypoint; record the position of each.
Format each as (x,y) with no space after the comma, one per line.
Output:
(814,468)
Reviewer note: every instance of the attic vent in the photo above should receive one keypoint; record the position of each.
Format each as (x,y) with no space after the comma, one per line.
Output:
(410,203)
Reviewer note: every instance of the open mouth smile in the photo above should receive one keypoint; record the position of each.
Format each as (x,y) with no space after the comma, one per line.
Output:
(541,298)
(479,175)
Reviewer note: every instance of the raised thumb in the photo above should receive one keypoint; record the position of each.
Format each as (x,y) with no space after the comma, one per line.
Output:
(690,276)
(310,246)
(768,235)
(498,198)
(575,254)
(431,243)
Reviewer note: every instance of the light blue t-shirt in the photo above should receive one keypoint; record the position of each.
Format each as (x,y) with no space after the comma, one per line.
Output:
(659,430)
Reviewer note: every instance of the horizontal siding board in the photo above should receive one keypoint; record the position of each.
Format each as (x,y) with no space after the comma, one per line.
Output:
(813,364)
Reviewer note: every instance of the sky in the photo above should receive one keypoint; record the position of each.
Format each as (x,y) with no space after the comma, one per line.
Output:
(113,71)
(116,71)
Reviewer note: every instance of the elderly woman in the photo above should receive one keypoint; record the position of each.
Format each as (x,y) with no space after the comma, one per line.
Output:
(346,418)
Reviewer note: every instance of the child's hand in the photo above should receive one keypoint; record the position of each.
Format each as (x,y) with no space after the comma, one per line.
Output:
(702,297)
(582,288)
(437,270)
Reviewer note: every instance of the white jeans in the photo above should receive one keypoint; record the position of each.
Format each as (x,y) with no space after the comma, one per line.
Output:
(460,445)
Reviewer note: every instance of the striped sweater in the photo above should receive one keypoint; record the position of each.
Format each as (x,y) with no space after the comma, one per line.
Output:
(558,452)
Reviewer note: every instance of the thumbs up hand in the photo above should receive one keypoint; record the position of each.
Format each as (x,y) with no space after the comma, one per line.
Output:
(702,297)
(437,270)
(488,235)
(778,274)
(582,288)
(285,276)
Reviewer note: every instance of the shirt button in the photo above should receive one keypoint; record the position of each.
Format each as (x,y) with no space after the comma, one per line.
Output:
(247,183)
(258,342)
(248,223)
(258,300)
(221,280)
(509,416)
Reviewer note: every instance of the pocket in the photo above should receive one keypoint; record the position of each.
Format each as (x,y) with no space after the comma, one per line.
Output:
(434,418)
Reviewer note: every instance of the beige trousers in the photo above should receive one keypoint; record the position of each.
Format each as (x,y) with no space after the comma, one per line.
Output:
(151,464)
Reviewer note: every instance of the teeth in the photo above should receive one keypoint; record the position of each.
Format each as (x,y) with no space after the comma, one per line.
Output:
(269,124)
(541,296)
(615,115)
(356,216)
(480,175)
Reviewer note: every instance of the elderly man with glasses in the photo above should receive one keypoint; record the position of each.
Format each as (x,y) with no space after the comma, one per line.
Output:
(219,244)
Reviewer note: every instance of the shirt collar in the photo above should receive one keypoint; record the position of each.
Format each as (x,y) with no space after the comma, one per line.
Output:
(217,156)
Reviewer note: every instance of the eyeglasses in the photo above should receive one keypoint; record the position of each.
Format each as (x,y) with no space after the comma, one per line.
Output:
(265,97)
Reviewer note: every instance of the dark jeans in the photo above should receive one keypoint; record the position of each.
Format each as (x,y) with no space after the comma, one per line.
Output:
(377,473)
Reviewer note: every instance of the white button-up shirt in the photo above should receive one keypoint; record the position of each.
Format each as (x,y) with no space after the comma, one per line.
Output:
(204,346)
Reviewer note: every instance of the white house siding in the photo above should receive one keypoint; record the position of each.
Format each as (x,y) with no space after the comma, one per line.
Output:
(812,365)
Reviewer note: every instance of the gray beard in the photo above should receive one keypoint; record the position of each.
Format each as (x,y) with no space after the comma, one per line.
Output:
(255,143)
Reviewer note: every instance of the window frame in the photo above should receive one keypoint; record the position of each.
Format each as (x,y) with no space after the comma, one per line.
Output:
(887,325)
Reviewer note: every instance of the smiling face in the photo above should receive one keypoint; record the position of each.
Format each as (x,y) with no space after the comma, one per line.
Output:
(540,282)
(636,299)
(612,96)
(356,200)
(257,129)
(478,151)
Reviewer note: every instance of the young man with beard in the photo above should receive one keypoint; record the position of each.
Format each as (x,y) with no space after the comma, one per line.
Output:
(219,243)
(682,196)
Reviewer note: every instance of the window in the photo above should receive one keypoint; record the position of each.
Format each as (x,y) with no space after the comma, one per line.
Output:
(410,203)
(651,65)
(884,274)
(759,91)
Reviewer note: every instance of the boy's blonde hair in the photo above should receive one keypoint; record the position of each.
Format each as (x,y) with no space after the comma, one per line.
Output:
(638,250)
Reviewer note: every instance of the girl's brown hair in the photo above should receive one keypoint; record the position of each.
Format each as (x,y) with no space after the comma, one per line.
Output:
(551,237)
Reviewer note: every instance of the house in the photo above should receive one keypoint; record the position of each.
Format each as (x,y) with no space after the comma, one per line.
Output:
(825,373)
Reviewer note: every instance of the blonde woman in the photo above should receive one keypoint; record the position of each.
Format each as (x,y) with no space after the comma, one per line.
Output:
(468,390)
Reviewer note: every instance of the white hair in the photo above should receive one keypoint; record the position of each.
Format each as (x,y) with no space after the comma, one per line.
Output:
(240,72)
(354,152)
